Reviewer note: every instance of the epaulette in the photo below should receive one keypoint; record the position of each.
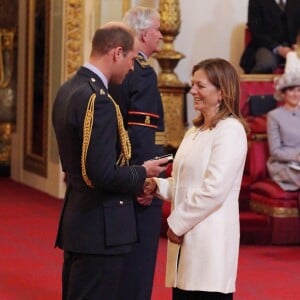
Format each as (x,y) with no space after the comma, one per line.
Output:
(95,87)
(142,61)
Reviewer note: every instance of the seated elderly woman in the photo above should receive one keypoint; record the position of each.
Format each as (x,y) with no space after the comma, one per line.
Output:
(283,125)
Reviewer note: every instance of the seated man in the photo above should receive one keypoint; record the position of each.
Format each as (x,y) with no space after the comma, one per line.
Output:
(273,27)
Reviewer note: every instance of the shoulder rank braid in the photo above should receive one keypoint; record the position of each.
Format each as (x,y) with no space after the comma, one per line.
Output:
(87,131)
(142,61)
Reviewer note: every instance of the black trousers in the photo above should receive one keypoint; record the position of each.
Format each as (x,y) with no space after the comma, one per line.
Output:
(139,265)
(266,61)
(179,294)
(92,277)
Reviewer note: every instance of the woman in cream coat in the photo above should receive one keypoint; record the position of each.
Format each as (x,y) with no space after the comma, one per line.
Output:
(204,188)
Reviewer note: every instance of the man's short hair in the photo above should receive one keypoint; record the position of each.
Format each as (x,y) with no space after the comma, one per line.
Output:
(110,36)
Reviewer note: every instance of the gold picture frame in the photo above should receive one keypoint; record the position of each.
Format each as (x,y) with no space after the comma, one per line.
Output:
(36,86)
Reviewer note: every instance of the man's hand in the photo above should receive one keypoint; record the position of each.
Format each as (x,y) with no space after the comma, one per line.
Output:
(145,200)
(174,238)
(283,51)
(155,167)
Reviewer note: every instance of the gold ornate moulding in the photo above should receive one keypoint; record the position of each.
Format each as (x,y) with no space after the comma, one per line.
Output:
(276,212)
(7,99)
(168,57)
(173,91)
(6,130)
(258,77)
(73,30)
(6,56)
(37,88)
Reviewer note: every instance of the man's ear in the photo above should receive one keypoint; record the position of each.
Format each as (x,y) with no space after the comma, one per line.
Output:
(143,35)
(117,53)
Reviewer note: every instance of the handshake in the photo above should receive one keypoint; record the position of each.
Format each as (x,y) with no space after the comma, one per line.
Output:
(153,168)
(149,190)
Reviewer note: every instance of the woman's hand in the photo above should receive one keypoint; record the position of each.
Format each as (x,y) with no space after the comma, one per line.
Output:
(149,190)
(149,187)
(173,237)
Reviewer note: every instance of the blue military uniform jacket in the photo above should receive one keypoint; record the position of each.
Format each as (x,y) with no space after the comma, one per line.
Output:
(99,220)
(142,108)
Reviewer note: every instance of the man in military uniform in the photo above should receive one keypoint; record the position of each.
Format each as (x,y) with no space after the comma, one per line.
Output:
(142,107)
(98,222)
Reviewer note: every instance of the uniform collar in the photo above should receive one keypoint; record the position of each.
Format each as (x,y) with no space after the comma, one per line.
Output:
(97,72)
(143,54)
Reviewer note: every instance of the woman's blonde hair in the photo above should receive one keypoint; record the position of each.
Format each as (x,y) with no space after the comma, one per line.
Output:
(225,78)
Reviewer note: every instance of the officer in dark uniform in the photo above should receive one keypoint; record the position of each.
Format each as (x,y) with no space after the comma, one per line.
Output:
(98,221)
(142,107)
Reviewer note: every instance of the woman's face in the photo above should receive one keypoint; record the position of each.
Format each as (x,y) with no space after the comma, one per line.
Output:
(207,97)
(291,96)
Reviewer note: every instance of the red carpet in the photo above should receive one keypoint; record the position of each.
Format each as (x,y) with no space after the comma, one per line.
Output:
(30,267)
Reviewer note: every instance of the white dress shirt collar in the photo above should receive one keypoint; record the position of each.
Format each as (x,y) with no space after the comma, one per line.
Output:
(277,1)
(98,73)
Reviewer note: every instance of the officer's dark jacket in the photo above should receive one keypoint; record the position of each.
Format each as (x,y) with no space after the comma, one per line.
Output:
(142,109)
(98,220)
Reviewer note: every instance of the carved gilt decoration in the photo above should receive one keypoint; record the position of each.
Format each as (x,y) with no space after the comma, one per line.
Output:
(173,91)
(73,32)
(126,5)
(7,95)
(174,116)
(6,56)
(36,101)
(168,57)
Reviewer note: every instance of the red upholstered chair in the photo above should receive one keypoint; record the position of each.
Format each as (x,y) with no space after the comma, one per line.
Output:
(247,36)
(259,193)
(254,169)
(267,198)
(247,180)
(257,125)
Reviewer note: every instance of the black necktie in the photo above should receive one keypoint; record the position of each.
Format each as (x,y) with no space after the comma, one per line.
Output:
(281,4)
